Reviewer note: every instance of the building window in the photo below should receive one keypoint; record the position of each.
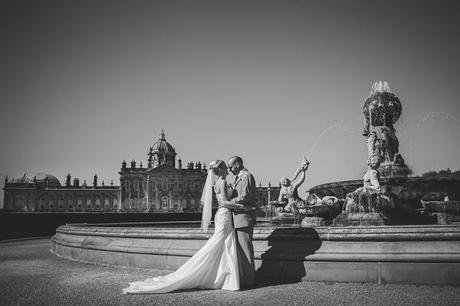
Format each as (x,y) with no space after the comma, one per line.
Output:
(70,204)
(192,203)
(115,203)
(98,203)
(106,203)
(79,203)
(164,202)
(51,204)
(42,204)
(20,204)
(61,204)
(88,204)
(180,187)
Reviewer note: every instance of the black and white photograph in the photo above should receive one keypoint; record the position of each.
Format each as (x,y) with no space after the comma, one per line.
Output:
(229,152)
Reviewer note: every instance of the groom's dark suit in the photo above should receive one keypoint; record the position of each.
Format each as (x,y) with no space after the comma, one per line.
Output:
(244,221)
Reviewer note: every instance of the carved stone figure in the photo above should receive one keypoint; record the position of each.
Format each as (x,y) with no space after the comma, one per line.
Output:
(327,207)
(289,200)
(382,110)
(369,198)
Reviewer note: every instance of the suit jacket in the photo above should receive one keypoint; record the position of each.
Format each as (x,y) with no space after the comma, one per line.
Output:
(244,193)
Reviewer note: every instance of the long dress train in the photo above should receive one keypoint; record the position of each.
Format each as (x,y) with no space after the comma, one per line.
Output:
(214,266)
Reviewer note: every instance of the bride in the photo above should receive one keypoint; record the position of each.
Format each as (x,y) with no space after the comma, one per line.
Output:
(215,265)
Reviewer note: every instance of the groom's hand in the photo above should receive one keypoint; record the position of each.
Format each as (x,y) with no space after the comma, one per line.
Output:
(233,206)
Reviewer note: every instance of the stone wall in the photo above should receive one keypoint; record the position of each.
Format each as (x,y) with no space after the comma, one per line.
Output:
(20,225)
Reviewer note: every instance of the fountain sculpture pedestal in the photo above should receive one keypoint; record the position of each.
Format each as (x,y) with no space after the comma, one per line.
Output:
(362,219)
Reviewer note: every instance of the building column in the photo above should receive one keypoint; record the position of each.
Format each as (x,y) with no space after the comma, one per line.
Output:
(147,191)
(156,196)
(121,195)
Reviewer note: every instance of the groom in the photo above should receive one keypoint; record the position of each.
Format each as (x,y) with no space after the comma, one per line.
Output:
(244,220)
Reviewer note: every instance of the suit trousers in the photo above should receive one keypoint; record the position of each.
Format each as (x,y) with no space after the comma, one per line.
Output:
(245,251)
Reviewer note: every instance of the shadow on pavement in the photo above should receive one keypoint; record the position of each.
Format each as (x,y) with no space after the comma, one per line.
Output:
(283,262)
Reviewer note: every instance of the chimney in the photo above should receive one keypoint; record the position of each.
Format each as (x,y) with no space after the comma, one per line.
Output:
(95,180)
(180,163)
(123,164)
(133,164)
(76,182)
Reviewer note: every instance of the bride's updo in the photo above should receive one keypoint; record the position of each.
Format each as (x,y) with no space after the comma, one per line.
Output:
(217,166)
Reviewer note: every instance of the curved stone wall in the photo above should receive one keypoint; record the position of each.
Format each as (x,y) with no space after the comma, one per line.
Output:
(410,190)
(388,254)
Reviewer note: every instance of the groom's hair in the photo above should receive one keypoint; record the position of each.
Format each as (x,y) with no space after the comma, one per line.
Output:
(235,159)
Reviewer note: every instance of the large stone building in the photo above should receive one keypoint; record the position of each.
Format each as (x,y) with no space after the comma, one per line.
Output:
(266,194)
(161,186)
(44,193)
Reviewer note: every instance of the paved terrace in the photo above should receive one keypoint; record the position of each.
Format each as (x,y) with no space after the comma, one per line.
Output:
(31,275)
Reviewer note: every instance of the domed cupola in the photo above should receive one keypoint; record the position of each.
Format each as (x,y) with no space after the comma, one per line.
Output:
(47,179)
(162,152)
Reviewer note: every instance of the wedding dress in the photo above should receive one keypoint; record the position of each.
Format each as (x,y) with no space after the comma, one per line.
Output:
(214,266)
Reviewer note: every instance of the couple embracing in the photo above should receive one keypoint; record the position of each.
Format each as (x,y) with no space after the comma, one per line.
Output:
(226,261)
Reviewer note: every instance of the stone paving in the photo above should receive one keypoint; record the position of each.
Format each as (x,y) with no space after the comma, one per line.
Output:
(31,275)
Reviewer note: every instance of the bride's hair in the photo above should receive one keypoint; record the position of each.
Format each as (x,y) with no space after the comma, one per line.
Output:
(217,166)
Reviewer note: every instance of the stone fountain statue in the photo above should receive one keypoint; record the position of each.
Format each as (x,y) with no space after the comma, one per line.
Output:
(312,211)
(382,110)
(289,200)
(369,203)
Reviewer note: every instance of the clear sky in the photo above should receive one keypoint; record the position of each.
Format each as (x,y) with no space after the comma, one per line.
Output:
(86,84)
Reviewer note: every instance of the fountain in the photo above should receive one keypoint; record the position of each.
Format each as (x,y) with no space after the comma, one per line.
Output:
(387,194)
(380,229)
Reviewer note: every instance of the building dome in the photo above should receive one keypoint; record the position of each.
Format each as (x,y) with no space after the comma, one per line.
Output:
(162,152)
(46,178)
(162,145)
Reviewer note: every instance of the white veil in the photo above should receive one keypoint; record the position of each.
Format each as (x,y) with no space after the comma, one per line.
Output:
(206,201)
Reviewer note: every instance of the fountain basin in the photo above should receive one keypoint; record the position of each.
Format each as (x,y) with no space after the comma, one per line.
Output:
(408,190)
(442,206)
(385,254)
